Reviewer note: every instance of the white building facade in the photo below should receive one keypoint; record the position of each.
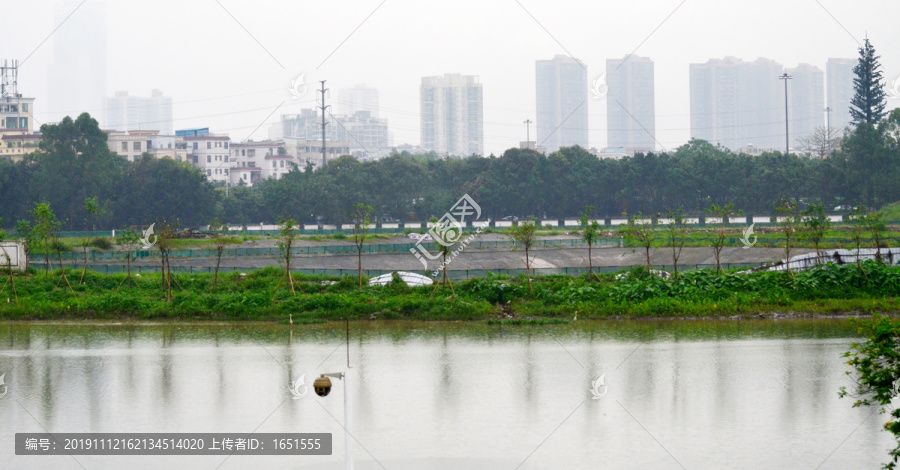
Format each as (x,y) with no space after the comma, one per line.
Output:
(562,109)
(124,112)
(452,114)
(839,91)
(210,153)
(631,104)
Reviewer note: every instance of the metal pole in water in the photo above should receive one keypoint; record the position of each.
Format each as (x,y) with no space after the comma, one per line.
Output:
(348,411)
(348,418)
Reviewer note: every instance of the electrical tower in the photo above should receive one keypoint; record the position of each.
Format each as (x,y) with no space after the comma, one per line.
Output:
(324,123)
(787,140)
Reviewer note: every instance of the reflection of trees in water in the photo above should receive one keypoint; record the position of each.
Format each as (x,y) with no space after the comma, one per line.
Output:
(446,394)
(529,383)
(165,383)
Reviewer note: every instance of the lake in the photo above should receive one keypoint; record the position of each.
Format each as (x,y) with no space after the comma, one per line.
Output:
(674,394)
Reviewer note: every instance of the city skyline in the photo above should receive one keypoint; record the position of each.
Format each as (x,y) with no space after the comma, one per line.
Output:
(636,118)
(238,103)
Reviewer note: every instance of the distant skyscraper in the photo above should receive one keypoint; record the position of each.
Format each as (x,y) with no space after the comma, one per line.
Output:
(128,113)
(77,78)
(562,93)
(806,94)
(452,109)
(839,74)
(736,103)
(630,104)
(358,98)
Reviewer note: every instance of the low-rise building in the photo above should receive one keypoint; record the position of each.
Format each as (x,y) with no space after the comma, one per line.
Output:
(16,113)
(210,153)
(245,175)
(254,161)
(277,165)
(131,145)
(308,151)
(168,146)
(611,153)
(15,145)
(753,150)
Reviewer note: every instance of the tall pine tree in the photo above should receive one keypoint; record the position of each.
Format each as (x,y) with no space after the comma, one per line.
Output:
(869,98)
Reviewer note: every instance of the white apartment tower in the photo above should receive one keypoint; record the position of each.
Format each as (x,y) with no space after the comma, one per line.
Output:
(630,104)
(806,95)
(839,91)
(737,103)
(77,76)
(126,113)
(358,98)
(562,109)
(452,114)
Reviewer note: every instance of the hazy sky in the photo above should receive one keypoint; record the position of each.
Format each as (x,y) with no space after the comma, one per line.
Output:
(220,77)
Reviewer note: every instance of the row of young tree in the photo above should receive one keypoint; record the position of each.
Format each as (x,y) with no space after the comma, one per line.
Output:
(810,225)
(74,164)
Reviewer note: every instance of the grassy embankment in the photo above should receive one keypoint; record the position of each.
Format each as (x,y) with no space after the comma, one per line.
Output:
(263,295)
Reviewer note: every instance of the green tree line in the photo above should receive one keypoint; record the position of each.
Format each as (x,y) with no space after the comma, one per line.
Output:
(73,164)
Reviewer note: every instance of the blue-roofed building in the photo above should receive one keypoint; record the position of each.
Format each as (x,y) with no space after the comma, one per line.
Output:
(199,132)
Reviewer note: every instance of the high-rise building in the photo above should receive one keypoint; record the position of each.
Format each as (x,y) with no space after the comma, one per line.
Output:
(839,77)
(126,113)
(806,95)
(562,114)
(630,104)
(452,110)
(737,103)
(367,136)
(77,76)
(358,98)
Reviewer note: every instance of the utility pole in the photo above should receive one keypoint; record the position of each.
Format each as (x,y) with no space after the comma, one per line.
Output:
(323,108)
(527,131)
(828,125)
(787,140)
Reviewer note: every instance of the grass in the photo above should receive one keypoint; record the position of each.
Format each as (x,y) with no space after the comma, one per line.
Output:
(348,236)
(263,295)
(183,243)
(891,212)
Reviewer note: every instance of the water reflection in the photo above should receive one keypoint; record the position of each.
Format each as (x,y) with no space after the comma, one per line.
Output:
(717,394)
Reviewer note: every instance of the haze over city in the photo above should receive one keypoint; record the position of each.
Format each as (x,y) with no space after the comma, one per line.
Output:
(229,65)
(508,235)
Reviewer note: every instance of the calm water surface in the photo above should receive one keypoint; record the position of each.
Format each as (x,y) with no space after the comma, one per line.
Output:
(694,395)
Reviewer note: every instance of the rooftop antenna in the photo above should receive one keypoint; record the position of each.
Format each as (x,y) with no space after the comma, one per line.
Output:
(9,77)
